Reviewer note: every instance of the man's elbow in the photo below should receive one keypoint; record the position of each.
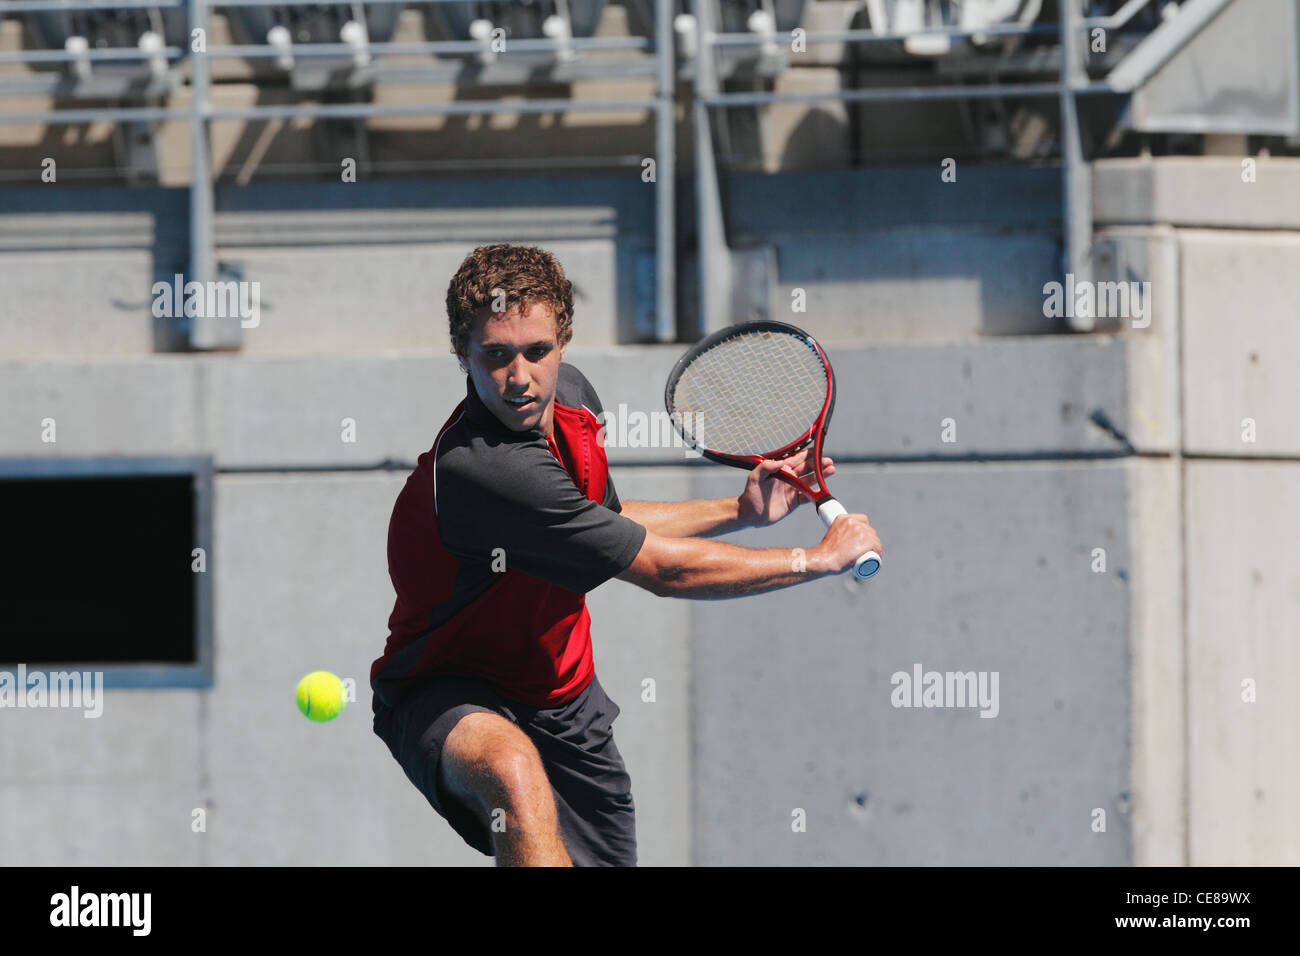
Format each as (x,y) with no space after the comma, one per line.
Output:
(649,579)
(647,571)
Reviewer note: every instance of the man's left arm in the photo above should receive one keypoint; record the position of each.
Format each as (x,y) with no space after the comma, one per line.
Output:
(704,518)
(765,500)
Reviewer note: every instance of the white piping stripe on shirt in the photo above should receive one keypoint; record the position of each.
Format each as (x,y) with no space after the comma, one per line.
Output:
(436,446)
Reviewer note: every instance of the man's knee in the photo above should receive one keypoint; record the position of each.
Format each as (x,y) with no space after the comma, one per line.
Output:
(489,760)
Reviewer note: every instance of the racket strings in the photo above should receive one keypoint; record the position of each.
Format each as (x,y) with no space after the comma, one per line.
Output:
(752,393)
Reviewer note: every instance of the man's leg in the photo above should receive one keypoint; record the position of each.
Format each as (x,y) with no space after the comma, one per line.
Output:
(489,763)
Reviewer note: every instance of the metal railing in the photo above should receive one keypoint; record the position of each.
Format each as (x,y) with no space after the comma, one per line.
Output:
(656,58)
(201,111)
(1072,83)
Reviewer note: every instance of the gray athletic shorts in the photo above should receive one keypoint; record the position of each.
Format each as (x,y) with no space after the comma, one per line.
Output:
(593,793)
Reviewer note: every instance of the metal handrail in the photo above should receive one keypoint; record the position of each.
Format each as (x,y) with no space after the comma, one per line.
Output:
(61,6)
(871,36)
(306,50)
(107,53)
(1120,17)
(906,93)
(54,6)
(530,45)
(321,3)
(150,114)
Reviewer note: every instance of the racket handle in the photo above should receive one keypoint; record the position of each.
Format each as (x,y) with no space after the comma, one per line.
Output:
(869,563)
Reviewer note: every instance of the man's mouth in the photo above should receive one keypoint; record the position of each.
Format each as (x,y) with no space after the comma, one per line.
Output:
(522,402)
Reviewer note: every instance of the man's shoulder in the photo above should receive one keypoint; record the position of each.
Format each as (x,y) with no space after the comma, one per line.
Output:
(466,462)
(574,390)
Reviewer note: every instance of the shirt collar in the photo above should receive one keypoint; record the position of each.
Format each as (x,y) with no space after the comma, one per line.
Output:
(482,418)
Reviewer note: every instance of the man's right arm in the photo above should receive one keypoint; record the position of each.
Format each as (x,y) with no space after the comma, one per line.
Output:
(700,569)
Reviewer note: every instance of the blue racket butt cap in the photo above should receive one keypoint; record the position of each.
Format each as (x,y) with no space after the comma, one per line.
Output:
(866,566)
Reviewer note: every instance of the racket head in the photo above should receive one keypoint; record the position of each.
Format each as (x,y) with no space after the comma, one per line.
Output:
(752,391)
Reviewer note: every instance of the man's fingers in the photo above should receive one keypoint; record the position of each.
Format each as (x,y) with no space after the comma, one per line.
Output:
(828,466)
(797,465)
(768,468)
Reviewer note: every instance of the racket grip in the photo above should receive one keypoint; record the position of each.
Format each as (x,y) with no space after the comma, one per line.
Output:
(869,563)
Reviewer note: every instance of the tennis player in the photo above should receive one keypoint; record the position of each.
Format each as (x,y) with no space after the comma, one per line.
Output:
(486,692)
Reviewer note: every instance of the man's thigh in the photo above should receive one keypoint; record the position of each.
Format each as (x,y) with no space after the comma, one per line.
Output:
(416,732)
(490,764)
(588,780)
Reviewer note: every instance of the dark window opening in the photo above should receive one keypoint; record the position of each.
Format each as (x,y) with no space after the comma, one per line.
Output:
(95,571)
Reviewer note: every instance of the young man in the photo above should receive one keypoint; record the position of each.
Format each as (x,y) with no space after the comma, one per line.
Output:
(486,693)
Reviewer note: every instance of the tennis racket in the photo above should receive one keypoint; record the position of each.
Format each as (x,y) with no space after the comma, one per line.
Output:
(760,390)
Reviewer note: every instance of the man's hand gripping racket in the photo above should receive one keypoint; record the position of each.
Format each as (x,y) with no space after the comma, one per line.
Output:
(764,391)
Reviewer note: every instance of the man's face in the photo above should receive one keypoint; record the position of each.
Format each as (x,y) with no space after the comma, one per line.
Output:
(516,356)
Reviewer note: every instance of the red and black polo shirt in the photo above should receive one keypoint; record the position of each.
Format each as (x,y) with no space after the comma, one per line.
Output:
(540,510)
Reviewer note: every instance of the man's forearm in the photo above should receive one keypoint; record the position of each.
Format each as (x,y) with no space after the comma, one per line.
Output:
(687,519)
(695,568)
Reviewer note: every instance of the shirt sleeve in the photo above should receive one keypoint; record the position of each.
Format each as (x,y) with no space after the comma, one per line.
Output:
(611,496)
(527,506)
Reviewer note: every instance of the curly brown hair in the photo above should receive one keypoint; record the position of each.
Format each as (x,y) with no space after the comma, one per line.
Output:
(525,274)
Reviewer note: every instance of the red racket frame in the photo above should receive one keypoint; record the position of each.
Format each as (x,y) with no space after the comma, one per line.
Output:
(816,433)
(869,563)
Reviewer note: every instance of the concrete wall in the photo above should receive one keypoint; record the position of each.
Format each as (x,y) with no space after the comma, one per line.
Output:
(880,256)
(1212,738)
(1243,583)
(299,578)
(987,570)
(994,469)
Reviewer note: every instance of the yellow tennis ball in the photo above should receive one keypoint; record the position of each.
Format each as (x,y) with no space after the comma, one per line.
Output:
(321,696)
